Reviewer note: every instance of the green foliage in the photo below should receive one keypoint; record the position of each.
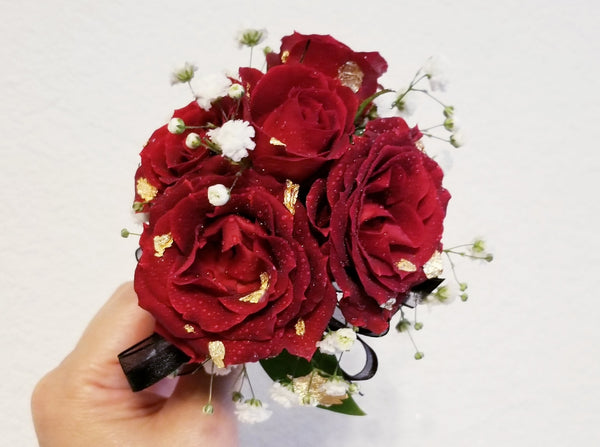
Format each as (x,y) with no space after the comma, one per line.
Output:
(286,367)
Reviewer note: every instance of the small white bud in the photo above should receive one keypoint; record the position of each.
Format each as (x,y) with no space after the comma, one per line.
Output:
(236,91)
(251,37)
(435,68)
(176,126)
(193,140)
(218,194)
(183,74)
(457,139)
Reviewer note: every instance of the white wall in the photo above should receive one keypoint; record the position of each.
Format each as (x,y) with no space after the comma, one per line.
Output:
(83,84)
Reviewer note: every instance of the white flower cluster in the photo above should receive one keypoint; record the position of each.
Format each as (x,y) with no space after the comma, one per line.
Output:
(284,395)
(435,69)
(234,138)
(287,395)
(336,386)
(212,87)
(252,411)
(337,342)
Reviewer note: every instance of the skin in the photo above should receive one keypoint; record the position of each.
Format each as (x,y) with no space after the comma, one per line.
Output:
(86,400)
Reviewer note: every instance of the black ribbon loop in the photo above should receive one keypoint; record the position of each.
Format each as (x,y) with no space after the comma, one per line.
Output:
(150,360)
(371,363)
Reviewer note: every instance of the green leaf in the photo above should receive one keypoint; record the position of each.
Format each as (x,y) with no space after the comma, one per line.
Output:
(284,366)
(349,407)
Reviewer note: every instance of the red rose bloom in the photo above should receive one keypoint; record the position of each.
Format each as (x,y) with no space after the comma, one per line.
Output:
(166,158)
(302,119)
(387,210)
(359,71)
(247,274)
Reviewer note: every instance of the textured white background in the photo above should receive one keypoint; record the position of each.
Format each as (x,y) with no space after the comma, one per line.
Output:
(83,84)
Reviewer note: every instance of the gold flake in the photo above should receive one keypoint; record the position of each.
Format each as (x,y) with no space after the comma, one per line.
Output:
(434,267)
(300,327)
(275,142)
(257,295)
(161,243)
(145,190)
(216,350)
(311,387)
(420,145)
(406,266)
(351,76)
(389,304)
(284,56)
(189,328)
(290,196)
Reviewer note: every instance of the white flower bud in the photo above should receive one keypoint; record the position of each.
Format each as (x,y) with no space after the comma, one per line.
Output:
(251,37)
(183,74)
(218,194)
(193,140)
(457,139)
(236,91)
(176,126)
(435,68)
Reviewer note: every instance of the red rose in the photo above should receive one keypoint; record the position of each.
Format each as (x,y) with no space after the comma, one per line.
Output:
(359,71)
(246,275)
(166,157)
(387,210)
(302,119)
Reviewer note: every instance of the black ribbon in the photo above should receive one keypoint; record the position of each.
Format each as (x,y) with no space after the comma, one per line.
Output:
(154,358)
(413,297)
(150,360)
(370,367)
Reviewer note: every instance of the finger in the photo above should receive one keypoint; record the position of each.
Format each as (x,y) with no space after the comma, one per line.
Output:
(119,324)
(188,401)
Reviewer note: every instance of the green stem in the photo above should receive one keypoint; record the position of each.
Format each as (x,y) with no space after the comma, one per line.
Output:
(365,104)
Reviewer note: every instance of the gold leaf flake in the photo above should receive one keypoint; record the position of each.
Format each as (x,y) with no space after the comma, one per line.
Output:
(351,76)
(189,328)
(311,387)
(284,56)
(389,304)
(290,196)
(145,190)
(216,350)
(161,243)
(257,295)
(275,142)
(434,267)
(406,266)
(420,145)
(300,327)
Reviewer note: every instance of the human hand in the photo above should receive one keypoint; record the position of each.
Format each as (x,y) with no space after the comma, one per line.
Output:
(86,400)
